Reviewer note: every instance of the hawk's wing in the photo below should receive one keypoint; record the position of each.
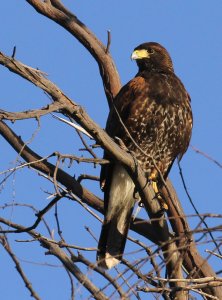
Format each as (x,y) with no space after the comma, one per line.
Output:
(118,186)
(125,103)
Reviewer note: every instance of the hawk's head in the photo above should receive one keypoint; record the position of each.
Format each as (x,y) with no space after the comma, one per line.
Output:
(152,56)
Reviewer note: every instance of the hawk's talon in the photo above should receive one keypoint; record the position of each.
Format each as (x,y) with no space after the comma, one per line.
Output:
(158,195)
(163,204)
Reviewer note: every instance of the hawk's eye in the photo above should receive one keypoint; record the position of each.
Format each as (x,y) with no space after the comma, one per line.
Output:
(151,51)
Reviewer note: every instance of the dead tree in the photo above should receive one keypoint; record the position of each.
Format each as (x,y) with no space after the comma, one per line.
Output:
(177,253)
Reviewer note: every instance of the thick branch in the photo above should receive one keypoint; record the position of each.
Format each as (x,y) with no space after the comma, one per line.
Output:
(56,11)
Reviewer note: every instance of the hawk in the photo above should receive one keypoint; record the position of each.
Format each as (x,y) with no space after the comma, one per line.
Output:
(152,116)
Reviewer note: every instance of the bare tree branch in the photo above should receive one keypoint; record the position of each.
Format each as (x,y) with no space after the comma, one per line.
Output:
(57,12)
(5,244)
(54,249)
(47,168)
(193,262)
(198,151)
(36,113)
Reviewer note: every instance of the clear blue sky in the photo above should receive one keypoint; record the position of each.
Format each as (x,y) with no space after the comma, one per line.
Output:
(190,30)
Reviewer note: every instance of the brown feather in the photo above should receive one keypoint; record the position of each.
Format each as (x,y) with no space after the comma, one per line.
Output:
(155,108)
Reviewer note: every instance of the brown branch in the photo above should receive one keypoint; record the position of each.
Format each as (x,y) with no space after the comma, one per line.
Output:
(214,253)
(87,176)
(83,159)
(100,271)
(68,249)
(68,263)
(54,249)
(31,207)
(42,212)
(61,244)
(192,280)
(5,244)
(194,207)
(36,113)
(173,291)
(87,148)
(47,168)
(136,270)
(55,176)
(72,296)
(57,12)
(192,260)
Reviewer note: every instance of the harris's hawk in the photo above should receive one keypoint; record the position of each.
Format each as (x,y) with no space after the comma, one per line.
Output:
(151,112)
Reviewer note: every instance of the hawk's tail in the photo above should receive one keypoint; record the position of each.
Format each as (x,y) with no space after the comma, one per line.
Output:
(119,198)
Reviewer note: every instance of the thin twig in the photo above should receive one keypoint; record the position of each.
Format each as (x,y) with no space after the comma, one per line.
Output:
(82,159)
(6,205)
(214,253)
(13,52)
(173,290)
(100,271)
(194,207)
(39,217)
(207,156)
(108,41)
(27,164)
(5,244)
(72,296)
(87,148)
(87,176)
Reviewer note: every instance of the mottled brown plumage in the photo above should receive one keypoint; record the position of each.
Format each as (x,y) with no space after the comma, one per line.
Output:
(155,108)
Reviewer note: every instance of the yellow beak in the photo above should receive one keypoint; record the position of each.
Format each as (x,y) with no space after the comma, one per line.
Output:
(140,54)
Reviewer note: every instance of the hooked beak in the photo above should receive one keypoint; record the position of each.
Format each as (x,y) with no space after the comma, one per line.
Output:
(140,54)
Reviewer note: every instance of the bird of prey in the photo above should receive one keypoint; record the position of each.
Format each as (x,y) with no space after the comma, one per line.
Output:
(152,116)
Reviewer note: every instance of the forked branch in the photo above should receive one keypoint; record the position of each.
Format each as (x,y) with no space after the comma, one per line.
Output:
(57,12)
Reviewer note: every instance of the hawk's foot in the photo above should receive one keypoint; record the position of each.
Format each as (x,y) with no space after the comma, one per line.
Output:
(159,197)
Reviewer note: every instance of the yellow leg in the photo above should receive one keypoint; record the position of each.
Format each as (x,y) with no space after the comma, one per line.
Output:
(153,178)
(155,188)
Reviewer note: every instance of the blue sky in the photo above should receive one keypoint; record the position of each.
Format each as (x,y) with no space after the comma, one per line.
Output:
(190,30)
